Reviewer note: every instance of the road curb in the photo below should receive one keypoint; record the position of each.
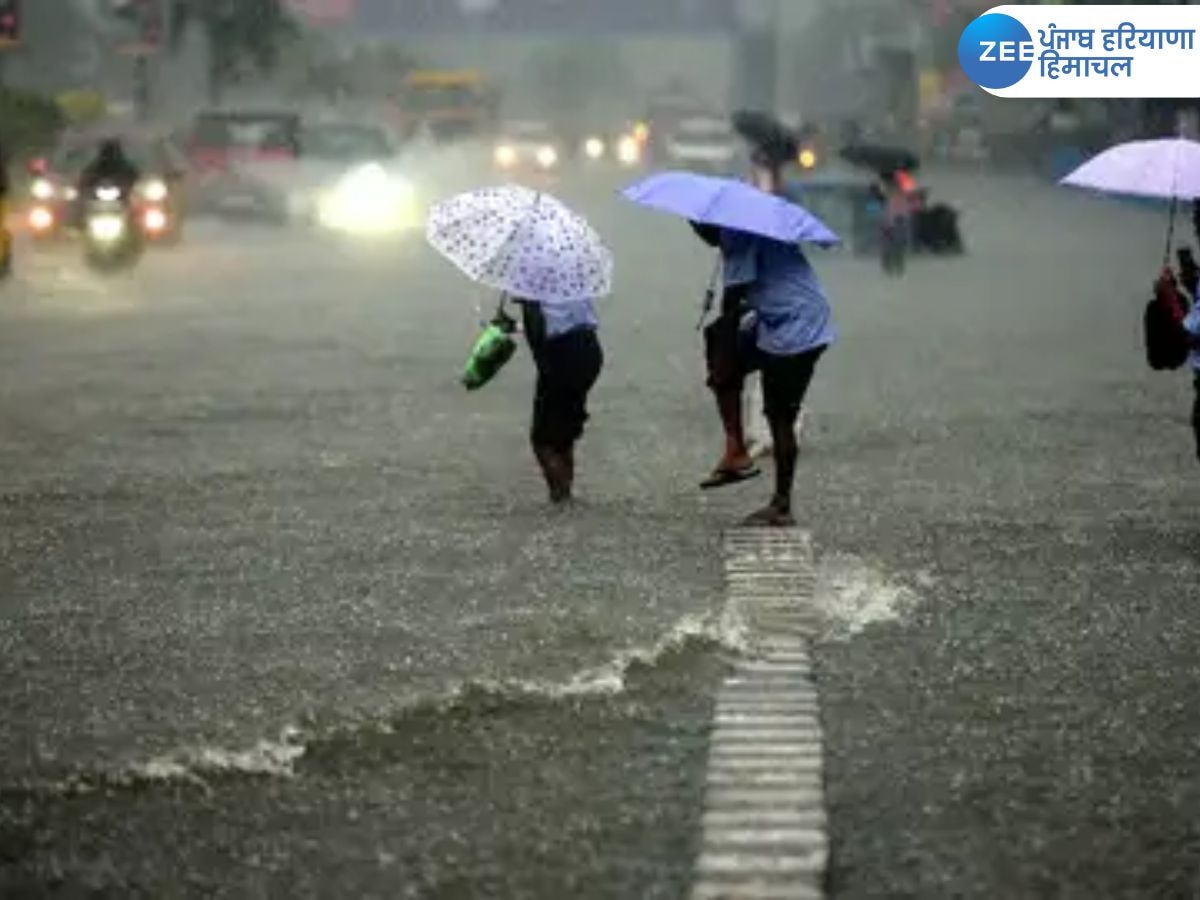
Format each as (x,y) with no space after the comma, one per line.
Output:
(764,827)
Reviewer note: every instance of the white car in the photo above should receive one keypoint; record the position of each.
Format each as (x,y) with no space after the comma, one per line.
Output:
(703,145)
(346,179)
(528,146)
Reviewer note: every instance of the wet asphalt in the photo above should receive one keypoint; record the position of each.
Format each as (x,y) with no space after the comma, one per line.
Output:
(243,499)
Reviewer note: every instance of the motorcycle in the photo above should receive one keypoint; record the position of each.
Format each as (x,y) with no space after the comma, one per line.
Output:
(111,237)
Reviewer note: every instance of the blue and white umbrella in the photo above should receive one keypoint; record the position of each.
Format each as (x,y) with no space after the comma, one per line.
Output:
(523,242)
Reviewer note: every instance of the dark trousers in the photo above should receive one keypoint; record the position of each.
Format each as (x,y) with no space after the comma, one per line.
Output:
(731,354)
(568,367)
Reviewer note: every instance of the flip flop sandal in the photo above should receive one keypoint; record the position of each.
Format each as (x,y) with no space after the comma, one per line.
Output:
(725,477)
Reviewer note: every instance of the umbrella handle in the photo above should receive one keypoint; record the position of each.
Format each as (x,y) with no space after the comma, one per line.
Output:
(1170,230)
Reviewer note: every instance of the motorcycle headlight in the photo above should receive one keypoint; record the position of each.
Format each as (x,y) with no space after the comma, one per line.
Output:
(107,228)
(808,158)
(547,157)
(506,156)
(42,189)
(155,191)
(594,148)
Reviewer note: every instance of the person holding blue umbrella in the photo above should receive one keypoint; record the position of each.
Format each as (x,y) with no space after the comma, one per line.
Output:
(774,316)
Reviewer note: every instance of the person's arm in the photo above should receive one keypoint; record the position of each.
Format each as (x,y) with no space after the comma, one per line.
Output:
(533,323)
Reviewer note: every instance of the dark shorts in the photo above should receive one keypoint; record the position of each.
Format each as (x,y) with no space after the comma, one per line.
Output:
(732,354)
(568,367)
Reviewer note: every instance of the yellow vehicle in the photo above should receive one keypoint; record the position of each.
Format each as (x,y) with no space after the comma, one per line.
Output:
(452,104)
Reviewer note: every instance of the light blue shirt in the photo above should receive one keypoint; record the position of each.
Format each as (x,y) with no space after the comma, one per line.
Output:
(1191,325)
(789,303)
(563,318)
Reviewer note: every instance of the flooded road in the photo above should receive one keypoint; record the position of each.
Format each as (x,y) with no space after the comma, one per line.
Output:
(285,614)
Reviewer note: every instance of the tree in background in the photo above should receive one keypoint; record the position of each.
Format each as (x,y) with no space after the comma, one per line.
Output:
(241,34)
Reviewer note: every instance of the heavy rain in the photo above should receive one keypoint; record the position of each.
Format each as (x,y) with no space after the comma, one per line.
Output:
(377,521)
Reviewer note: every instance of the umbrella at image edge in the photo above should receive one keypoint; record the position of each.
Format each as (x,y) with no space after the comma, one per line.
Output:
(1165,169)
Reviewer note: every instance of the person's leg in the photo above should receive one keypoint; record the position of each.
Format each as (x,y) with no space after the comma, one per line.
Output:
(542,439)
(758,431)
(785,383)
(726,377)
(575,361)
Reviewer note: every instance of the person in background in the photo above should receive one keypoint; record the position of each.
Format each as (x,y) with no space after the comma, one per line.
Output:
(896,210)
(564,341)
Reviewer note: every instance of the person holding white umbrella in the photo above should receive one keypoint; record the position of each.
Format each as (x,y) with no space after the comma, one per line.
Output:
(1167,169)
(547,259)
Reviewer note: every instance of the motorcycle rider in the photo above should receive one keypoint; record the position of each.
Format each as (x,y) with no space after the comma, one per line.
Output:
(111,165)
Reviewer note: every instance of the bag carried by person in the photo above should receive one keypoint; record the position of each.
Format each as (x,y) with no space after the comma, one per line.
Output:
(492,351)
(1167,341)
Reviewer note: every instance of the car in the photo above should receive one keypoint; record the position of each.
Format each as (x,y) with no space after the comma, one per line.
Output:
(703,144)
(223,144)
(623,146)
(53,208)
(529,146)
(349,179)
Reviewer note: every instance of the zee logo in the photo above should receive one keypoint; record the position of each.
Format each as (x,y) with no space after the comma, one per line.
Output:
(996,51)
(1006,51)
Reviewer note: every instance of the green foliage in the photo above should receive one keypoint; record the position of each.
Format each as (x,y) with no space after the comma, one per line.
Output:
(240,32)
(29,123)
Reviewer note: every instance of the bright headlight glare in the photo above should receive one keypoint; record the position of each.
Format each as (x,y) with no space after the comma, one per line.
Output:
(594,148)
(629,151)
(547,157)
(506,155)
(368,200)
(155,191)
(42,189)
(107,228)
(41,219)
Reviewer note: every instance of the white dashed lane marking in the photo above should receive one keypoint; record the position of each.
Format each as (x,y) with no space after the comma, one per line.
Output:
(764,819)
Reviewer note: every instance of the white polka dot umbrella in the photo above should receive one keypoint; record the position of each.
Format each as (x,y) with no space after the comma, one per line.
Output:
(523,242)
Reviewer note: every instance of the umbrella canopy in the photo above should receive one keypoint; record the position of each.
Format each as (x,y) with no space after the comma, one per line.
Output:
(731,204)
(523,242)
(1168,168)
(883,159)
(770,138)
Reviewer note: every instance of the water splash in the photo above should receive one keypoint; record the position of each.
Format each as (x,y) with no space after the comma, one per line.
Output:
(278,758)
(851,596)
